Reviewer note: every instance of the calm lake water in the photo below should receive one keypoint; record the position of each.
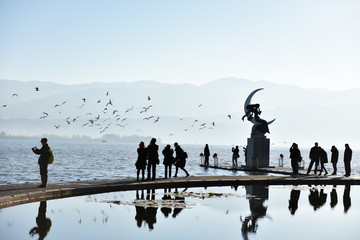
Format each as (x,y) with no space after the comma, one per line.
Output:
(83,161)
(251,212)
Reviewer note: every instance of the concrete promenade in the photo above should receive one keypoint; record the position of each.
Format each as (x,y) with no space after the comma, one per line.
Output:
(11,195)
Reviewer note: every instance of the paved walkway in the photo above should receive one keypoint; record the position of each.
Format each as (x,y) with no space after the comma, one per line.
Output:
(11,195)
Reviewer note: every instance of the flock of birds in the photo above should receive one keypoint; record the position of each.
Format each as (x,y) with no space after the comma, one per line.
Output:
(111,116)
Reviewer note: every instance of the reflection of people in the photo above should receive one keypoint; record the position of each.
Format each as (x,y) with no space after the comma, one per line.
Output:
(180,159)
(179,199)
(295,157)
(317,199)
(323,160)
(43,223)
(151,211)
(167,197)
(141,160)
(43,161)
(294,199)
(333,197)
(314,157)
(140,210)
(235,156)
(206,154)
(347,159)
(334,159)
(346,198)
(153,158)
(168,159)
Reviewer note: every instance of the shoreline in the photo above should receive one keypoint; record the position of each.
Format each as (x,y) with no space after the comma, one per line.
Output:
(12,195)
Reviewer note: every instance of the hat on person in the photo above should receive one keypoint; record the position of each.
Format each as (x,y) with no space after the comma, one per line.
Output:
(43,140)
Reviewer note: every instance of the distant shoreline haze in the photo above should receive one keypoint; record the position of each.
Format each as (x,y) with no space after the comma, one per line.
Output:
(193,114)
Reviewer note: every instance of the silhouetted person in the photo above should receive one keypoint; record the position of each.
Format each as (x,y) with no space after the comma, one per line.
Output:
(295,157)
(206,154)
(180,159)
(43,223)
(333,197)
(141,160)
(323,160)
(235,156)
(346,198)
(153,158)
(314,158)
(347,160)
(168,160)
(43,161)
(317,199)
(334,159)
(179,199)
(293,202)
(253,112)
(140,210)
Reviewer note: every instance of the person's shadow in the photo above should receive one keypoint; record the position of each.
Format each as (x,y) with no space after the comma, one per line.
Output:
(43,223)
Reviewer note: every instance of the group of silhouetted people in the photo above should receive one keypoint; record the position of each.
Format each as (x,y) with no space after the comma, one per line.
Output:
(318,156)
(148,157)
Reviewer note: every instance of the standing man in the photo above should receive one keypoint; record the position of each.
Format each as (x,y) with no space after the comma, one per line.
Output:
(206,154)
(153,157)
(347,159)
(43,161)
(314,157)
(295,157)
(334,158)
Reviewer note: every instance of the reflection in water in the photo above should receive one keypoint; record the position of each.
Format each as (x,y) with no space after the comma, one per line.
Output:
(257,208)
(294,199)
(165,209)
(346,198)
(43,223)
(333,197)
(146,214)
(317,199)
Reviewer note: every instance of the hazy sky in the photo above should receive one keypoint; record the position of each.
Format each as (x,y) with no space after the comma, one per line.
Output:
(309,43)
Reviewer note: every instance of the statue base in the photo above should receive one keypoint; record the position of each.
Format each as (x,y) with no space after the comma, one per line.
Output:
(257,152)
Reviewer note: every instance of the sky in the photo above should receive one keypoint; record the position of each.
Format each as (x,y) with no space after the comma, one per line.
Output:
(308,43)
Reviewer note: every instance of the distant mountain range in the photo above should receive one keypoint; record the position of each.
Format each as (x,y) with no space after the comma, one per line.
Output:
(210,113)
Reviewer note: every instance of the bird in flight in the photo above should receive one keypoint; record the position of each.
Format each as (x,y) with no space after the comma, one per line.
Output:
(229,116)
(37,89)
(148,98)
(15,95)
(57,127)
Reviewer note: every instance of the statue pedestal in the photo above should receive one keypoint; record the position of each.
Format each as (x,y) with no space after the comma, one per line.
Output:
(257,152)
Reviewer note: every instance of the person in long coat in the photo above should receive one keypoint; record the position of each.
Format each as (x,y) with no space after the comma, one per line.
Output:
(141,160)
(168,159)
(206,154)
(153,158)
(180,159)
(334,159)
(295,157)
(347,160)
(323,160)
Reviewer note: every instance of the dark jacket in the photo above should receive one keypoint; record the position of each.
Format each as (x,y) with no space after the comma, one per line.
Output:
(44,153)
(206,151)
(314,153)
(168,156)
(141,160)
(295,154)
(180,157)
(334,155)
(323,156)
(347,155)
(153,154)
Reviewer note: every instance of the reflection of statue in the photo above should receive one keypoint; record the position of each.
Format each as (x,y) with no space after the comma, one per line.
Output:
(252,112)
(257,208)
(294,199)
(346,198)
(43,223)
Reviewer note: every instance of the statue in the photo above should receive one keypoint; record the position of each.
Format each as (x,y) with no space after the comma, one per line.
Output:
(252,112)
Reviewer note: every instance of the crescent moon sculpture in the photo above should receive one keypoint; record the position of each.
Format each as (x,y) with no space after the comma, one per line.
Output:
(252,112)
